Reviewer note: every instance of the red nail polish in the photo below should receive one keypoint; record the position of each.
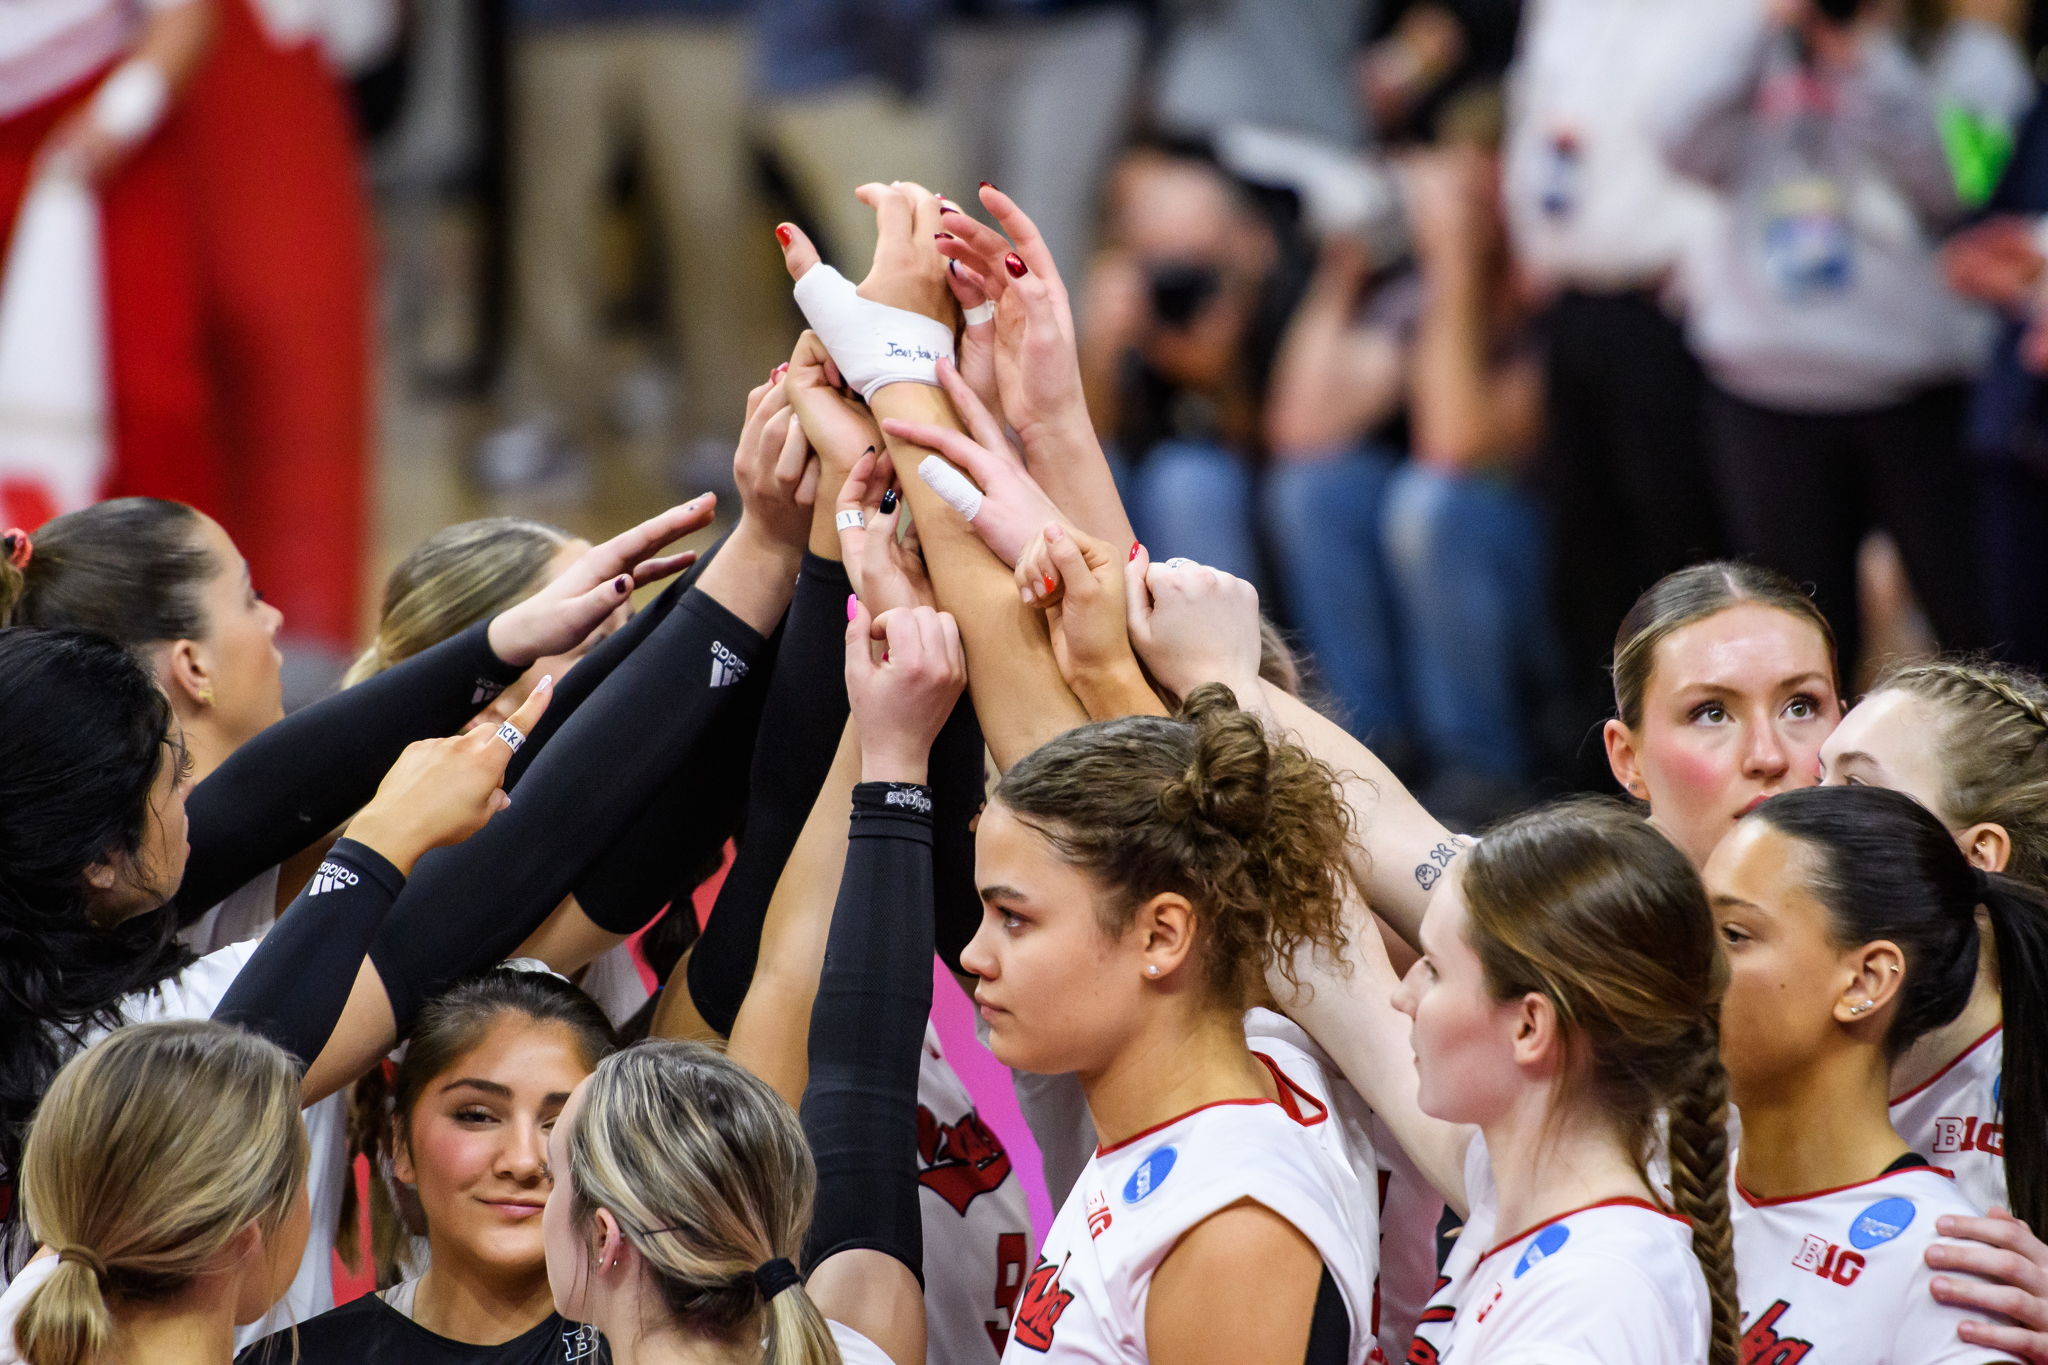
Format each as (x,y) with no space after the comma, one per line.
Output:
(1015,265)
(945,237)
(783,234)
(1048,583)
(1135,547)
(990,185)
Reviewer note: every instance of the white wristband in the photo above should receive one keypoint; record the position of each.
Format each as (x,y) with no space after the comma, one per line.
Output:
(955,489)
(871,343)
(980,313)
(130,103)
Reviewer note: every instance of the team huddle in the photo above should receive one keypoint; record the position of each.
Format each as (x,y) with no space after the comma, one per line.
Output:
(1717,1074)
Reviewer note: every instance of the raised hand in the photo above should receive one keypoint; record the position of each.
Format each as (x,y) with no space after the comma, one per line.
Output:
(840,428)
(441,791)
(1008,506)
(902,693)
(888,574)
(773,470)
(1089,636)
(562,615)
(1192,624)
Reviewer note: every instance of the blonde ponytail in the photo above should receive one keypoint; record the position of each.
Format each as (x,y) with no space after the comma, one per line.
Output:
(797,1334)
(122,1174)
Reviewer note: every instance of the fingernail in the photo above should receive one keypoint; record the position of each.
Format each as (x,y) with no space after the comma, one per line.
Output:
(1054,531)
(945,237)
(622,584)
(948,206)
(547,680)
(888,502)
(952,265)
(1025,594)
(779,370)
(783,234)
(1135,547)
(1048,585)
(1015,265)
(852,605)
(990,185)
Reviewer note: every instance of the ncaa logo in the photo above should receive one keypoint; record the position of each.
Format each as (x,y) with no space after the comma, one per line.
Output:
(1150,1175)
(1548,1243)
(1881,1222)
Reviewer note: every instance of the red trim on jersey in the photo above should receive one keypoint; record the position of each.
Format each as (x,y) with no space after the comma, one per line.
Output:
(1527,1233)
(1286,1104)
(1757,1203)
(1954,1062)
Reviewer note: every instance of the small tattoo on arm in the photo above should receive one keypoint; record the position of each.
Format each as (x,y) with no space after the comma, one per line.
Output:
(1428,874)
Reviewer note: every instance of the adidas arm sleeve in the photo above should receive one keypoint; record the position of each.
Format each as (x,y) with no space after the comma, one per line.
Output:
(801,722)
(469,905)
(875,993)
(293,988)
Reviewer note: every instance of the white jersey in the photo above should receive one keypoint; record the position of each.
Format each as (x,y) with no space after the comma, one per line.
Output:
(1614,1283)
(855,1349)
(1408,1208)
(977,1226)
(1956,1120)
(1086,1296)
(1840,1277)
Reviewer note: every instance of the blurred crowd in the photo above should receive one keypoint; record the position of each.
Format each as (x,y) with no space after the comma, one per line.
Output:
(1453,324)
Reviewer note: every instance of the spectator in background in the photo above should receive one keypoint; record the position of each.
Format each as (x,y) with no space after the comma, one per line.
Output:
(1282,64)
(843,91)
(1420,585)
(1838,354)
(1596,216)
(1181,319)
(668,78)
(1427,53)
(2001,262)
(1037,94)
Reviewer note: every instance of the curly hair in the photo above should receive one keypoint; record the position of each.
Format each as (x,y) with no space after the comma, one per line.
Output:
(1253,833)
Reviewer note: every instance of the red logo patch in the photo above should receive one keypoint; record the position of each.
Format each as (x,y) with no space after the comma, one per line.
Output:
(959,1160)
(1040,1305)
(1761,1344)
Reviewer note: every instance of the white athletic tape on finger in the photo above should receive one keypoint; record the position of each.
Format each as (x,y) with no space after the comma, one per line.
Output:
(872,343)
(850,520)
(980,313)
(510,734)
(955,489)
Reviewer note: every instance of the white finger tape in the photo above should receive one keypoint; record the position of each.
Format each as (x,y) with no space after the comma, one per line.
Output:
(850,520)
(980,313)
(872,343)
(955,489)
(510,735)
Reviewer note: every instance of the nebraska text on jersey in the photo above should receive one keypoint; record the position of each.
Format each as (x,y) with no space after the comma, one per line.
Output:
(1840,1277)
(1085,1297)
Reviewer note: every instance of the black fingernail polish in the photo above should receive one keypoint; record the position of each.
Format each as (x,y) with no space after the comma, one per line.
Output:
(888,502)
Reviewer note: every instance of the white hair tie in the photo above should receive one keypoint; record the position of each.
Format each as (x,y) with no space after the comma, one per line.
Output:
(871,343)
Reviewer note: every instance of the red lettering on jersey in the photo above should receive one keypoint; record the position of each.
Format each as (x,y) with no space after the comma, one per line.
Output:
(1949,1136)
(1038,1311)
(959,1160)
(1098,1214)
(1991,1138)
(1442,1312)
(1761,1344)
(1421,1352)
(1953,1134)
(1009,1279)
(1827,1260)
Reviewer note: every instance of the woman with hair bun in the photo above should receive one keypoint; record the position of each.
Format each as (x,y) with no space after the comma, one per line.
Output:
(155,1248)
(1140,875)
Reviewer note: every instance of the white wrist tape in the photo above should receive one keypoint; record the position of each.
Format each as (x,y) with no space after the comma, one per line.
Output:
(852,519)
(955,489)
(980,313)
(129,104)
(871,343)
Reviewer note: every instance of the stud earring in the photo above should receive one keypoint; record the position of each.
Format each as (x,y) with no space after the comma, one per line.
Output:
(1152,970)
(1858,1009)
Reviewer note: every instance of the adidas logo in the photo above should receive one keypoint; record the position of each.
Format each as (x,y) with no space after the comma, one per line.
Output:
(486,690)
(727,667)
(908,796)
(331,876)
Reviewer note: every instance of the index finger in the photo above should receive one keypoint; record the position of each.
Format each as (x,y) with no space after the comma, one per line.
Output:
(634,545)
(1030,243)
(522,721)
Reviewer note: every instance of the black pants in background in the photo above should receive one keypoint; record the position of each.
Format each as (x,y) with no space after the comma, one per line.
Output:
(2012,505)
(1803,489)
(1627,483)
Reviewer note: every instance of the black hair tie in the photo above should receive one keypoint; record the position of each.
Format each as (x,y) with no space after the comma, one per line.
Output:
(772,1277)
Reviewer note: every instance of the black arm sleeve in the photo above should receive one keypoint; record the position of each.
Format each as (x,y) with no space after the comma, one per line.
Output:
(469,905)
(293,989)
(959,784)
(662,856)
(593,668)
(875,993)
(309,772)
(801,722)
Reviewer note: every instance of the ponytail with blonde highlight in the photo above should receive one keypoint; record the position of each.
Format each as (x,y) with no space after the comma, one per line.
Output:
(122,1173)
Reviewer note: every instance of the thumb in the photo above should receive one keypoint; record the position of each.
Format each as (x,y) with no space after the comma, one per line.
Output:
(797,252)
(860,663)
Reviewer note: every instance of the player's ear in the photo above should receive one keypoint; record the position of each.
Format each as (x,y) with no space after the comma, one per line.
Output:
(1538,1035)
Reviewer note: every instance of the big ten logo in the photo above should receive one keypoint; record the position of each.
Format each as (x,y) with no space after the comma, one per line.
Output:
(1761,1344)
(1494,1299)
(1968,1135)
(1009,1281)
(1828,1261)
